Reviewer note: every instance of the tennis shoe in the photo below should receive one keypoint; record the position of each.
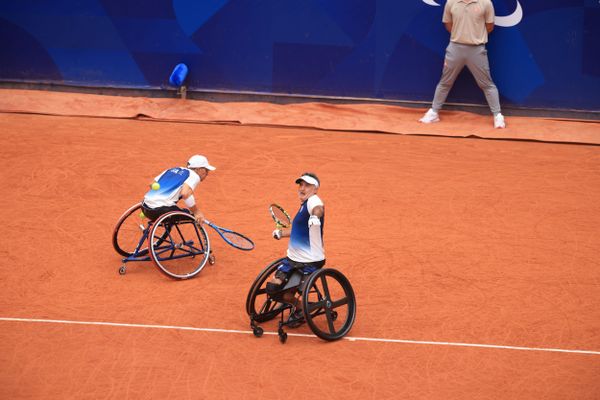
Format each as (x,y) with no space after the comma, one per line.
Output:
(499,121)
(430,117)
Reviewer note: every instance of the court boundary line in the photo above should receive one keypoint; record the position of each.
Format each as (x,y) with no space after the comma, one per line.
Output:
(347,338)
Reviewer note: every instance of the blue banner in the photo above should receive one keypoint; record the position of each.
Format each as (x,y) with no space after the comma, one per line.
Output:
(543,53)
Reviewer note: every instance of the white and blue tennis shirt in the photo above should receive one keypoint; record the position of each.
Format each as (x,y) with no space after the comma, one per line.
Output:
(306,243)
(171,181)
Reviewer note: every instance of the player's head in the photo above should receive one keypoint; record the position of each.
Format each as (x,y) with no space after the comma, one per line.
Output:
(308,184)
(200,164)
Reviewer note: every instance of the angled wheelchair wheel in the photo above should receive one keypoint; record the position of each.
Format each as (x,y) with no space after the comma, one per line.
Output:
(259,306)
(329,304)
(178,246)
(129,230)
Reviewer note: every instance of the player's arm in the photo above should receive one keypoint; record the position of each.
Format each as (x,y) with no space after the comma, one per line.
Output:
(319,211)
(315,216)
(187,194)
(489,27)
(448,26)
(281,232)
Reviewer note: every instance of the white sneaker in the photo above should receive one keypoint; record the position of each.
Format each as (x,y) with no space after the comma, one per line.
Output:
(430,117)
(499,121)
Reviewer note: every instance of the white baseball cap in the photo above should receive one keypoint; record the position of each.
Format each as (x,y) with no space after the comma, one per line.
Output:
(309,178)
(199,161)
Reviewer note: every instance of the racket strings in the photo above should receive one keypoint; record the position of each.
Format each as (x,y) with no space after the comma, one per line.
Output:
(238,240)
(281,218)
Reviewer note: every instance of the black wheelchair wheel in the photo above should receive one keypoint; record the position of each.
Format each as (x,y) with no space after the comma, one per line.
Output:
(329,304)
(128,230)
(259,306)
(178,246)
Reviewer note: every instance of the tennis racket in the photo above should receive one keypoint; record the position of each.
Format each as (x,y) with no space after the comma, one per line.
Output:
(232,238)
(280,216)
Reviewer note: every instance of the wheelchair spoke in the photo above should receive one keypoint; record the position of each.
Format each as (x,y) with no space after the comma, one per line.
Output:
(266,307)
(339,303)
(315,306)
(325,287)
(181,239)
(330,320)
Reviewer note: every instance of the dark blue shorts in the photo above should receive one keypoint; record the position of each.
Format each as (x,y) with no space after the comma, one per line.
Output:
(288,266)
(154,213)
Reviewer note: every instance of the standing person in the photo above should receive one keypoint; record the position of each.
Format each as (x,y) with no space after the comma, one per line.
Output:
(469,22)
(174,184)
(305,249)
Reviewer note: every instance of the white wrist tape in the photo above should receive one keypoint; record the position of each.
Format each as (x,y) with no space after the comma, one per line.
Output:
(314,220)
(190,201)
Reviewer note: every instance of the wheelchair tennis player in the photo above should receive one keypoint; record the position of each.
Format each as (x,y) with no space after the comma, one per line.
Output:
(174,184)
(305,249)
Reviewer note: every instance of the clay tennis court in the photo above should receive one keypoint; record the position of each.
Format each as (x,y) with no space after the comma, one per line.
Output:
(474,261)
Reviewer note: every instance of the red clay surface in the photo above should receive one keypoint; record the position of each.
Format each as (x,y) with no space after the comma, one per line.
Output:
(444,240)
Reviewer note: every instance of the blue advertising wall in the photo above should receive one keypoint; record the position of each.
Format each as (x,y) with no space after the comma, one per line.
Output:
(543,53)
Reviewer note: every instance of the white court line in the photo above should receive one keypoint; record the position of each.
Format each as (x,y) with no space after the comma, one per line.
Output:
(349,338)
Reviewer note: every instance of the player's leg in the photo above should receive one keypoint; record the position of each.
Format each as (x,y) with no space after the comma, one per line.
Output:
(279,290)
(277,283)
(307,269)
(285,270)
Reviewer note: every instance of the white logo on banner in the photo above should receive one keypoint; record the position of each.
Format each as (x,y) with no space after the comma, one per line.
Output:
(505,21)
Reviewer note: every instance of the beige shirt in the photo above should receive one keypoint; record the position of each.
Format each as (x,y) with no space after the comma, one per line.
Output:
(468,18)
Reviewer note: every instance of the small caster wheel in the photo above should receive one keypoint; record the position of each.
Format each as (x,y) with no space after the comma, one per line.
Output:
(258,331)
(282,337)
(122,270)
(211,259)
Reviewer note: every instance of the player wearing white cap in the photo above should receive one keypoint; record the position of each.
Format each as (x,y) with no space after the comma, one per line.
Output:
(305,249)
(174,184)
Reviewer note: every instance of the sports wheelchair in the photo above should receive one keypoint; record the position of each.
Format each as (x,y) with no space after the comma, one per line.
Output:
(328,303)
(178,246)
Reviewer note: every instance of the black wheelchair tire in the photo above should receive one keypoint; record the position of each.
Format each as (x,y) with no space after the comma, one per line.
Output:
(118,245)
(326,306)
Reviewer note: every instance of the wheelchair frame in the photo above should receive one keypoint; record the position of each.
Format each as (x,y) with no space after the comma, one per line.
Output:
(165,241)
(317,299)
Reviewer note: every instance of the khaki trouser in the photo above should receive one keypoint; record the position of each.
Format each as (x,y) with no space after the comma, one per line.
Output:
(475,58)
